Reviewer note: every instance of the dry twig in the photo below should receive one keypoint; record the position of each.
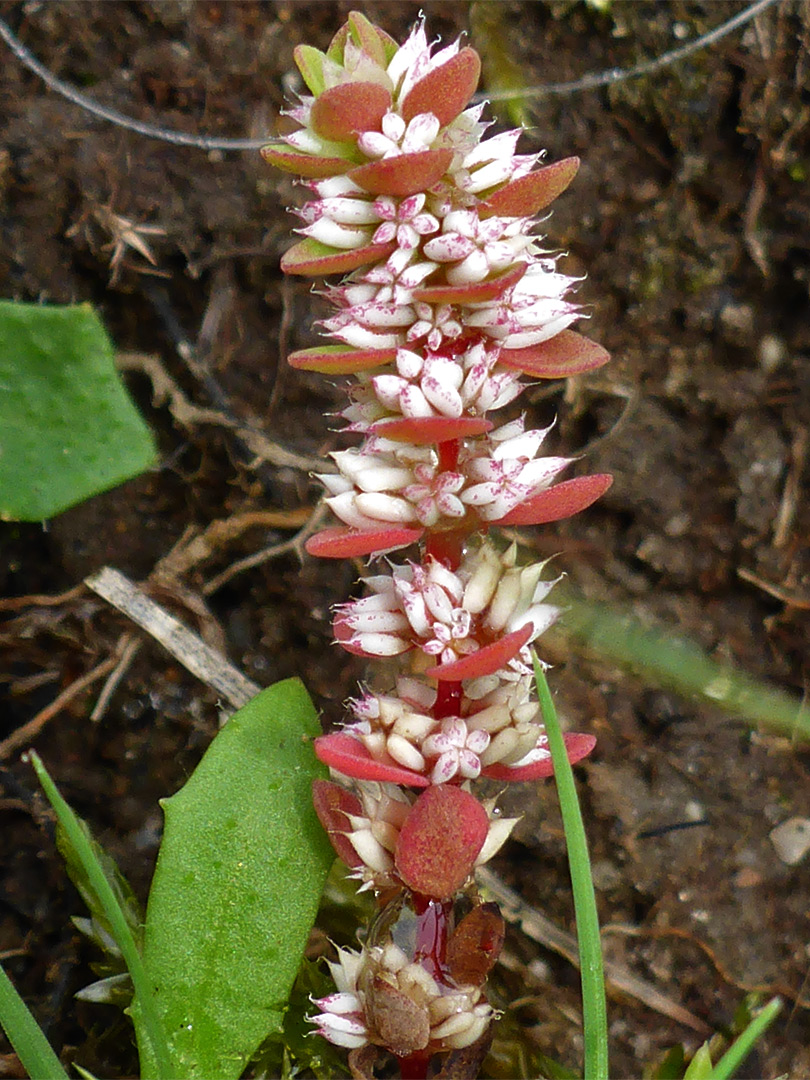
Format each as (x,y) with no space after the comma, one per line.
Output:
(295,544)
(542,930)
(184,645)
(166,392)
(30,730)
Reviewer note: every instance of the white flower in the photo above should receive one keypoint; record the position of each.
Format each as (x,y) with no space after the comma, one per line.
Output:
(397,137)
(457,751)
(479,248)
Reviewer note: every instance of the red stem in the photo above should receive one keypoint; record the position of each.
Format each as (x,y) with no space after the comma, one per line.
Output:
(448,699)
(433,916)
(415,1066)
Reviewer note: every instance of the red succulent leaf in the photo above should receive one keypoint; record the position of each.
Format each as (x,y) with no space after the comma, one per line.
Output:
(567,353)
(343,110)
(403,175)
(339,360)
(309,165)
(577,747)
(440,841)
(427,430)
(528,194)
(445,91)
(479,292)
(486,661)
(352,758)
(475,945)
(312,258)
(332,803)
(346,543)
(561,501)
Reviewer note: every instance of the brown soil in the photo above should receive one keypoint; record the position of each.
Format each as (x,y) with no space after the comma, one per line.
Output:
(691,218)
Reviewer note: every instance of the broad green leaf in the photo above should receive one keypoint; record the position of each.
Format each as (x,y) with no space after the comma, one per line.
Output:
(26,1036)
(237,884)
(68,429)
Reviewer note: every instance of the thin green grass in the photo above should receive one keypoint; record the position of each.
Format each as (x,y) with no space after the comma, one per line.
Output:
(26,1036)
(744,1044)
(76,837)
(594,1010)
(665,659)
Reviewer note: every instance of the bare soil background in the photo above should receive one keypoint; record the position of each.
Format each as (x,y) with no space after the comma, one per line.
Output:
(690,216)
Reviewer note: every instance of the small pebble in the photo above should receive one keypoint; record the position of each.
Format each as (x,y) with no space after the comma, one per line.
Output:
(791,840)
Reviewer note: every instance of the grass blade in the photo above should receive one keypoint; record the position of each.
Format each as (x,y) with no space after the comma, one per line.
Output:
(594,1011)
(26,1036)
(146,1015)
(744,1044)
(664,658)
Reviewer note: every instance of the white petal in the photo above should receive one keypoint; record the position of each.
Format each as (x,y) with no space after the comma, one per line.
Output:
(326,231)
(405,753)
(475,267)
(385,507)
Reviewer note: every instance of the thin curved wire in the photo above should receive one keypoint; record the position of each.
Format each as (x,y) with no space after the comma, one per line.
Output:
(179,138)
(646,67)
(206,142)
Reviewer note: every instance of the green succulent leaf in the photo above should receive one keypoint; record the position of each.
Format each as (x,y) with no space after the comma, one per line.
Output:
(68,429)
(700,1067)
(309,61)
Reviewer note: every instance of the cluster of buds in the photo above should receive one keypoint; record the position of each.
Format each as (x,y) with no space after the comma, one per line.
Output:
(449,302)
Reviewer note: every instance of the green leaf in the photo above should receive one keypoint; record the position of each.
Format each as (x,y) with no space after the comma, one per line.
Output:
(26,1036)
(77,871)
(671,1068)
(237,884)
(81,850)
(309,61)
(700,1067)
(594,1012)
(665,658)
(68,429)
(742,1047)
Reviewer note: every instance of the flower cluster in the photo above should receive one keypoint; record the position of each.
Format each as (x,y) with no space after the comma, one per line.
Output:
(450,300)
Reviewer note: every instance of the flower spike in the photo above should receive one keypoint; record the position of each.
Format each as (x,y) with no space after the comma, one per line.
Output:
(448,305)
